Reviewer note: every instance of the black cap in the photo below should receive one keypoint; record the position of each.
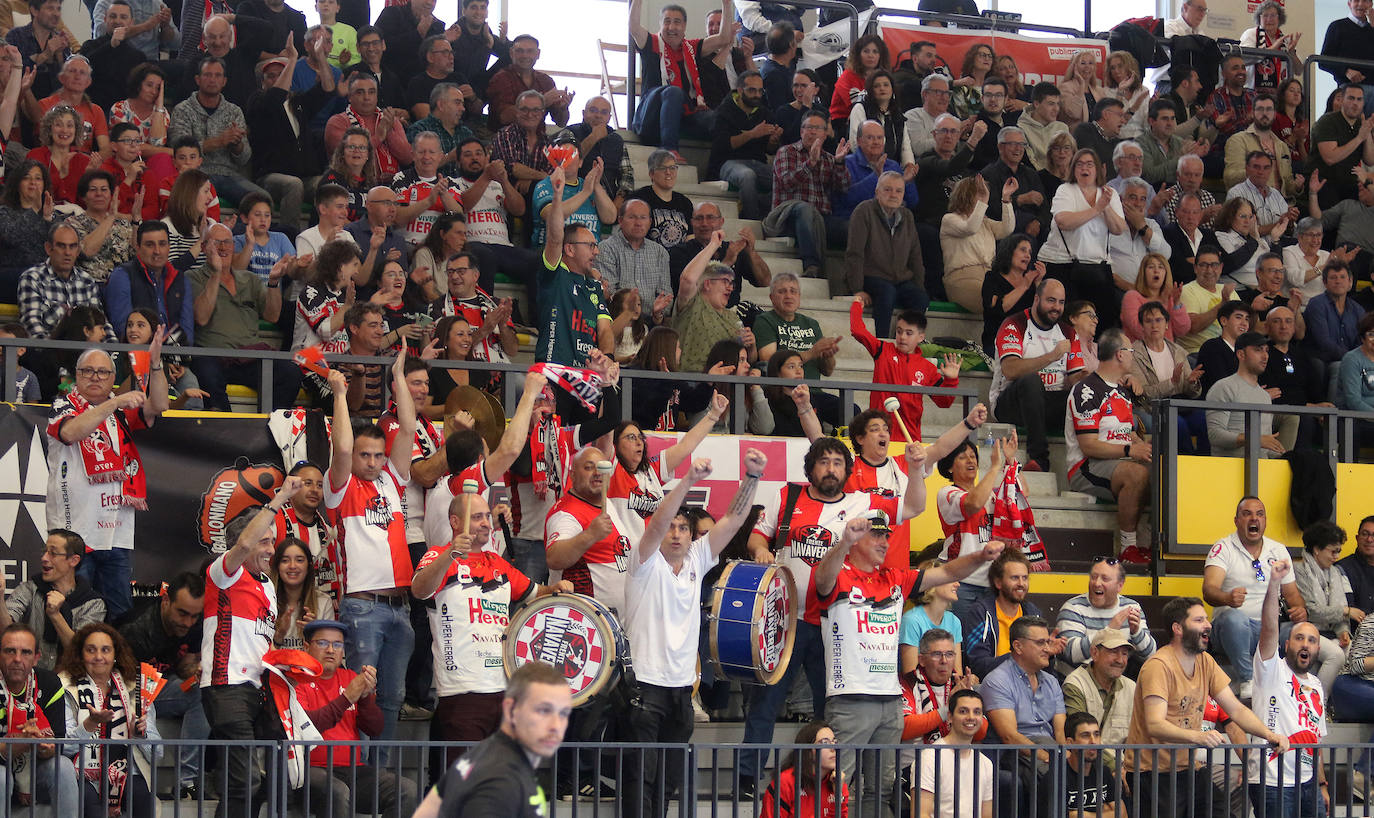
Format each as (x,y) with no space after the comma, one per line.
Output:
(1251,339)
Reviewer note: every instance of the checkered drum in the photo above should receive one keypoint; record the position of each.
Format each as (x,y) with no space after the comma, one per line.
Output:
(573,633)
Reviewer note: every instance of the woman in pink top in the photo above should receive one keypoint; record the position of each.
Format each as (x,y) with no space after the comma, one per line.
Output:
(1155,282)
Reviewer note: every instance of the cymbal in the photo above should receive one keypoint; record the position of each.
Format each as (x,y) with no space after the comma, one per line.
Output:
(475,402)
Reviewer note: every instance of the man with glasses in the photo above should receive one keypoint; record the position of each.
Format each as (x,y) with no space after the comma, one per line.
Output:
(920,122)
(49,291)
(57,603)
(703,316)
(95,478)
(438,69)
(343,706)
(1234,581)
(506,85)
(1030,207)
(995,115)
(1106,458)
(1260,137)
(670,212)
(371,48)
(377,231)
(740,256)
(445,120)
(228,305)
(806,91)
(1025,706)
(1359,569)
(596,139)
(573,319)
(740,140)
(388,137)
(521,145)
(491,319)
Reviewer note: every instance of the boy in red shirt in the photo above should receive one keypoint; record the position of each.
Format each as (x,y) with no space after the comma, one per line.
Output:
(900,362)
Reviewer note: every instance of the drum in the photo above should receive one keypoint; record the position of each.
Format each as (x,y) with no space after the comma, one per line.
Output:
(753,621)
(575,634)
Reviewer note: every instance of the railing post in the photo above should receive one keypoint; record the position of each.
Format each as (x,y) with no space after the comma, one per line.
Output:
(1252,451)
(265,366)
(740,424)
(11,368)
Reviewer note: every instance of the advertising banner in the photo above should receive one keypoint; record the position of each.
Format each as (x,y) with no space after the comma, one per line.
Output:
(1039,59)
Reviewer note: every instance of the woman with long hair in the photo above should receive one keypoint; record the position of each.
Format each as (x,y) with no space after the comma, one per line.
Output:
(627,309)
(1058,154)
(99,672)
(447,238)
(1009,286)
(785,363)
(144,109)
(1291,121)
(729,357)
(657,403)
(867,54)
(107,237)
(880,105)
(637,482)
(404,309)
(57,135)
(187,218)
(1159,369)
(138,330)
(26,214)
(300,600)
(1018,95)
(1124,83)
(969,238)
(1084,213)
(1267,74)
(1238,233)
(1155,282)
(1080,90)
(452,342)
(807,779)
(967,100)
(353,167)
(329,292)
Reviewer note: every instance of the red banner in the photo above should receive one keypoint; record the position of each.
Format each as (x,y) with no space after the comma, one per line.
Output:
(1038,59)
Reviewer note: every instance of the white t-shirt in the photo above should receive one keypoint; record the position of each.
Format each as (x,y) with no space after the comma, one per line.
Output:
(1292,706)
(469,620)
(969,770)
(487,219)
(962,535)
(1242,571)
(663,615)
(1295,268)
(371,552)
(1087,242)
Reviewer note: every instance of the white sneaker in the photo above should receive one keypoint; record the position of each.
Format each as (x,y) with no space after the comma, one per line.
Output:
(699,714)
(1357,785)
(1245,691)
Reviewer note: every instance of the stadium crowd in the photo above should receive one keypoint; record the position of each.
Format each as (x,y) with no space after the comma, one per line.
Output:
(1204,234)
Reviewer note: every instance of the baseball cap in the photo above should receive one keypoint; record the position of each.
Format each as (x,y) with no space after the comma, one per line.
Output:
(322,624)
(1250,339)
(1110,638)
(262,65)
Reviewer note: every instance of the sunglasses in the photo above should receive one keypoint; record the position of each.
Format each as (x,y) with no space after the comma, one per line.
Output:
(1108,560)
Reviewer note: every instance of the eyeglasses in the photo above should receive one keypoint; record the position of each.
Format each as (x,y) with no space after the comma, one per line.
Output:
(93,373)
(1087,314)
(941,654)
(325,644)
(50,552)
(1013,144)
(665,169)
(526,109)
(128,141)
(581,243)
(633,437)
(945,131)
(1108,560)
(939,92)
(355,148)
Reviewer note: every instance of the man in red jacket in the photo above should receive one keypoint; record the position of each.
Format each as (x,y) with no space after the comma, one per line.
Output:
(343,706)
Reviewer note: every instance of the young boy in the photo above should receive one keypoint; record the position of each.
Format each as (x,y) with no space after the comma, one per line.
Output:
(258,248)
(900,362)
(1089,788)
(344,49)
(185,155)
(26,383)
(126,165)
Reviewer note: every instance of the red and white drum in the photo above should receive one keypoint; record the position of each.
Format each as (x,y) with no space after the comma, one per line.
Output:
(573,633)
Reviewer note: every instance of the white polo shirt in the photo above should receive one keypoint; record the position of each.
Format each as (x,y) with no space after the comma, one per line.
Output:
(1241,571)
(663,615)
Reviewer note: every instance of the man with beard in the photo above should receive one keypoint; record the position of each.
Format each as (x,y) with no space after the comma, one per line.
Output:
(489,199)
(1171,696)
(58,603)
(1294,783)
(1039,359)
(1234,580)
(1260,137)
(1359,568)
(987,624)
(799,527)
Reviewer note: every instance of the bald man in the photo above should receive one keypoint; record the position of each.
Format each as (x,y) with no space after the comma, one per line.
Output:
(597,139)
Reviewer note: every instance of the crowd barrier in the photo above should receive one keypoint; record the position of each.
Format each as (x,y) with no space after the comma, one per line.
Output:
(709,776)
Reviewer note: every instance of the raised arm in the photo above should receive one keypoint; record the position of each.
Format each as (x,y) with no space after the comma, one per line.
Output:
(553,222)
(159,393)
(657,527)
(727,526)
(637,29)
(691,274)
(341,435)
(728,28)
(1269,614)
(828,569)
(914,501)
(402,445)
(950,440)
(518,430)
(261,523)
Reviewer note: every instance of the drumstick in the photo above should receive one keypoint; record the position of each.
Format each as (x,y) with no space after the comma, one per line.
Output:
(605,467)
(892,405)
(469,487)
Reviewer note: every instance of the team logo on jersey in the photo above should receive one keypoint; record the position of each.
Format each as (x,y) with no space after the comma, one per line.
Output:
(622,554)
(811,542)
(378,511)
(642,503)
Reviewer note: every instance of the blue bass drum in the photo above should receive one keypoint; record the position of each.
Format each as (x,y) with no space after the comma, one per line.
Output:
(753,621)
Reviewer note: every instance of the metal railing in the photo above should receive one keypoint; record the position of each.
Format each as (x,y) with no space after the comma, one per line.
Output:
(738,383)
(704,778)
(970,21)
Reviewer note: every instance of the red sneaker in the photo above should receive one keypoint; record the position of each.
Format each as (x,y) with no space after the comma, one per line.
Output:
(1135,555)
(1035,465)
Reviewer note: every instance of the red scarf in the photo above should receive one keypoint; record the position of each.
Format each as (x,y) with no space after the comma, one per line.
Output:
(1013,521)
(18,711)
(106,462)
(667,66)
(386,163)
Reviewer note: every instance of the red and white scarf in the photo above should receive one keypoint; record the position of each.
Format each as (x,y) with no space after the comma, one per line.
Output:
(582,384)
(19,710)
(108,454)
(95,761)
(667,67)
(386,163)
(296,724)
(545,459)
(1013,521)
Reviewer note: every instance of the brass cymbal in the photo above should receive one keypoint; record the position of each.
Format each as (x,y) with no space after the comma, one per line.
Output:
(475,402)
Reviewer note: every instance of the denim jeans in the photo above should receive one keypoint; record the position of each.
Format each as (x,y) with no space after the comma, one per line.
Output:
(173,702)
(380,635)
(888,296)
(232,711)
(812,229)
(235,188)
(659,118)
(808,656)
(1291,801)
(754,181)
(215,374)
(110,573)
(1238,635)
(1356,697)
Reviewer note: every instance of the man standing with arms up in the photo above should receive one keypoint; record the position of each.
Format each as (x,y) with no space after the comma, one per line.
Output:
(363,494)
(573,319)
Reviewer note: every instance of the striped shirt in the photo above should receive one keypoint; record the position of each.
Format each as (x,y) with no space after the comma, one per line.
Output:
(1079,621)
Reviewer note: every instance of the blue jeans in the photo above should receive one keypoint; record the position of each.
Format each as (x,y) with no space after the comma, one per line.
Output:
(215,374)
(1290,801)
(110,573)
(1238,635)
(812,229)
(173,701)
(754,181)
(808,656)
(659,118)
(235,188)
(380,635)
(1356,697)
(887,296)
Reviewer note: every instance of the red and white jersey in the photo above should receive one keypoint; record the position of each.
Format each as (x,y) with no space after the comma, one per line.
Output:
(963,535)
(1021,337)
(487,219)
(317,537)
(410,187)
(429,439)
(1096,408)
(600,571)
(551,449)
(636,496)
(475,309)
(816,525)
(314,309)
(437,530)
(95,510)
(240,620)
(370,551)
(864,615)
(1292,706)
(469,619)
(887,480)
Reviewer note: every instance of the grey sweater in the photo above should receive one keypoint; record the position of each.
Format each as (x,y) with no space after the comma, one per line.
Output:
(28,605)
(878,251)
(1225,428)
